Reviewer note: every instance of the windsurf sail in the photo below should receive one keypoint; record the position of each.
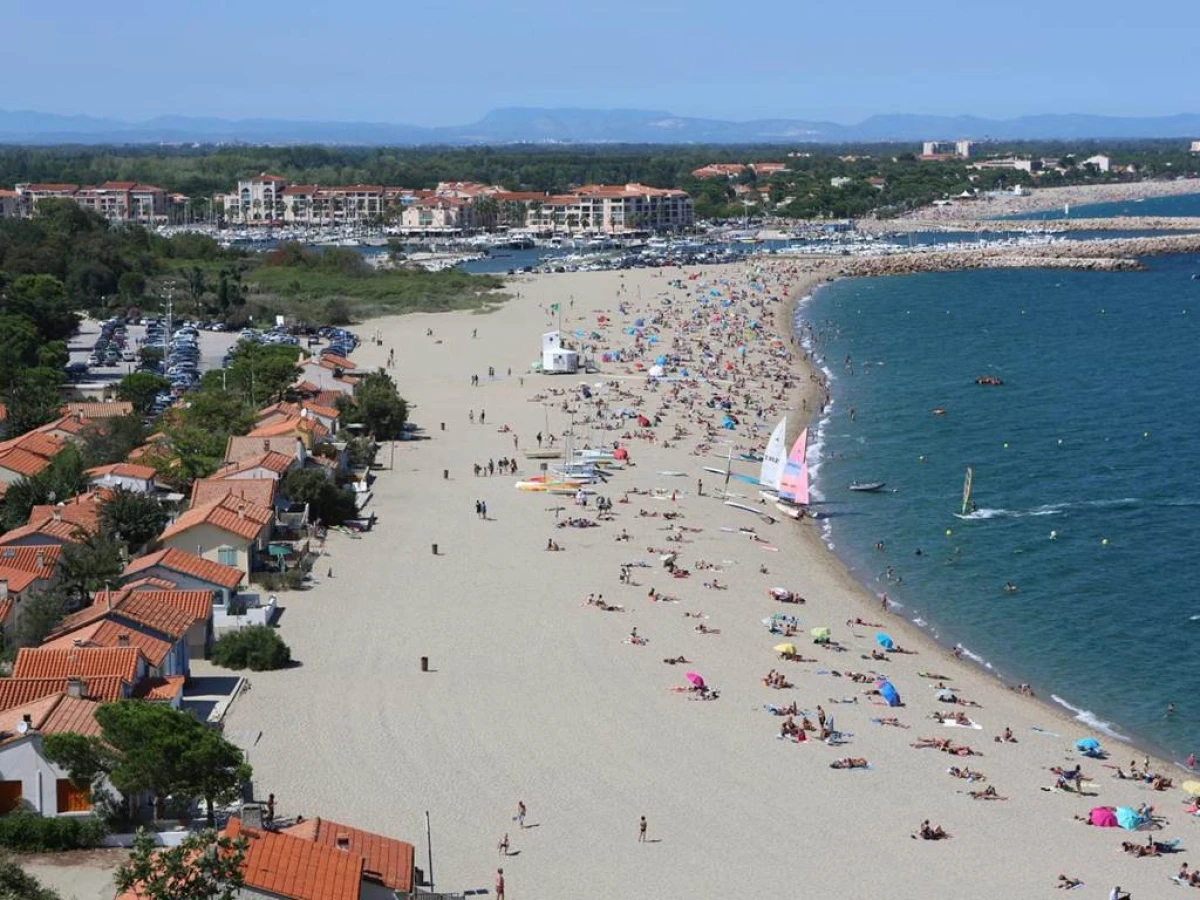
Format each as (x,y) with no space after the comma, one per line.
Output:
(773,459)
(967,504)
(793,484)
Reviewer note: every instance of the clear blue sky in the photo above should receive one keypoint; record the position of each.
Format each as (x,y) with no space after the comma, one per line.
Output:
(442,62)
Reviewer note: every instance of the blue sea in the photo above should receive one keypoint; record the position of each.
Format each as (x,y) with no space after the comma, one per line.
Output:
(1181,205)
(1085,475)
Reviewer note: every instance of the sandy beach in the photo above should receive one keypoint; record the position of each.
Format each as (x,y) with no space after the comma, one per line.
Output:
(536,696)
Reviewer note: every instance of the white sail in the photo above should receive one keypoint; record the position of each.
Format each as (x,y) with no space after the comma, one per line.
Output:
(774,457)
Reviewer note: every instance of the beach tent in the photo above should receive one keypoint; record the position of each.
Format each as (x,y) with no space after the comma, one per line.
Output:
(1086,744)
(889,693)
(656,371)
(1128,818)
(820,634)
(643,421)
(1103,817)
(695,678)
(884,640)
(620,453)
(946,694)
(1191,787)
(785,648)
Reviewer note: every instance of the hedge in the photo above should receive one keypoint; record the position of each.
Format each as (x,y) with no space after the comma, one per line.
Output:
(27,832)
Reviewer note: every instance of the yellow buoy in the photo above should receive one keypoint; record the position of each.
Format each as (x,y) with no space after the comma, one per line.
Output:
(948,532)
(1103,542)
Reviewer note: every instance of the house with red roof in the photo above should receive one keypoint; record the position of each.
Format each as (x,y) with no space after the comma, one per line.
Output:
(24,571)
(230,531)
(319,860)
(127,476)
(29,781)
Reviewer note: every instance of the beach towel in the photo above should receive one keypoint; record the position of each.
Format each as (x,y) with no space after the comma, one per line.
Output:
(949,723)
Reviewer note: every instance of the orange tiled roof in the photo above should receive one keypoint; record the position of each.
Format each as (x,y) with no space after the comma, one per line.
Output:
(386,860)
(39,442)
(110,634)
(298,869)
(41,561)
(82,511)
(22,462)
(159,690)
(67,532)
(51,714)
(43,662)
(238,448)
(291,425)
(230,514)
(188,564)
(256,490)
(171,612)
(72,425)
(150,583)
(331,361)
(21,691)
(6,607)
(94,410)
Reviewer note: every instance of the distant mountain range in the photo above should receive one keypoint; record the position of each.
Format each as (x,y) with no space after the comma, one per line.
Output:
(583,126)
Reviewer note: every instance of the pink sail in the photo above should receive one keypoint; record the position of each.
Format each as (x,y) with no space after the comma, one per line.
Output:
(793,484)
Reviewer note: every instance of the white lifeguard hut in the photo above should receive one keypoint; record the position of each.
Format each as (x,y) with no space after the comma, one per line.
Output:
(557,359)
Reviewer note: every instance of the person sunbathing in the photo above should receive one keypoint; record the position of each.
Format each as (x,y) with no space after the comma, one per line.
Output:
(849,762)
(929,832)
(1067,883)
(966,774)
(988,793)
(1006,737)
(674,661)
(924,743)
(891,720)
(704,629)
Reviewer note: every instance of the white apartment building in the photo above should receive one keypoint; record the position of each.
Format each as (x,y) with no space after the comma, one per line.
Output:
(436,215)
(314,204)
(613,209)
(257,200)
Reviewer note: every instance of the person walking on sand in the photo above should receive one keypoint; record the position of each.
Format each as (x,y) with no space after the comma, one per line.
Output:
(642,830)
(519,818)
(499,884)
(502,847)
(482,416)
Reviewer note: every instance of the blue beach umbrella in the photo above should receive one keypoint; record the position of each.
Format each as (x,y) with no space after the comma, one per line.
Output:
(884,640)
(888,691)
(1087,744)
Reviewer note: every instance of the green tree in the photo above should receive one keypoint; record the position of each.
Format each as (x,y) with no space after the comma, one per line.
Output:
(43,299)
(133,518)
(326,501)
(204,866)
(19,342)
(255,647)
(34,397)
(153,748)
(262,371)
(111,440)
(90,564)
(17,884)
(379,407)
(42,613)
(53,355)
(63,478)
(132,286)
(140,389)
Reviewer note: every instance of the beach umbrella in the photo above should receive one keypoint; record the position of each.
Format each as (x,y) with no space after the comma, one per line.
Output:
(889,693)
(1128,818)
(785,648)
(1103,817)
(884,640)
(820,633)
(695,678)
(1087,744)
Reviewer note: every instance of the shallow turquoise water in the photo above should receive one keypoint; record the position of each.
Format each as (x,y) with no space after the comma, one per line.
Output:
(1085,465)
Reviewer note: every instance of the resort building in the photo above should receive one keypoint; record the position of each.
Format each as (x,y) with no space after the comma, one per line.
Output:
(118,201)
(1100,161)
(10,205)
(612,209)
(312,204)
(946,149)
(257,200)
(719,170)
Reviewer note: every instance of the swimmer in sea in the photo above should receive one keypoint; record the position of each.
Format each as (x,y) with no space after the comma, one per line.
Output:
(1010,587)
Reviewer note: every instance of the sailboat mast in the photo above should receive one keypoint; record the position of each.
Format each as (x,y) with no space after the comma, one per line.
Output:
(966,498)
